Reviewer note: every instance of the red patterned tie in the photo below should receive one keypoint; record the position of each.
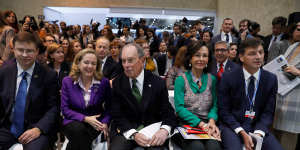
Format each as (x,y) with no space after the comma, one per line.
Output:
(221,70)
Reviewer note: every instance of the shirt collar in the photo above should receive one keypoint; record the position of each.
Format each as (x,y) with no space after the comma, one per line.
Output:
(247,75)
(223,33)
(104,60)
(79,81)
(140,78)
(29,70)
(224,63)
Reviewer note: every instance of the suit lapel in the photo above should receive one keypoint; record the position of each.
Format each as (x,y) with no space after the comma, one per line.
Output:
(262,82)
(34,85)
(228,66)
(147,90)
(126,90)
(12,79)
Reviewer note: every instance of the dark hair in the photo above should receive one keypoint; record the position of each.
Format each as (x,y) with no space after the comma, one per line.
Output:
(244,20)
(172,50)
(209,32)
(291,29)
(26,37)
(253,26)
(279,20)
(251,42)
(178,25)
(15,24)
(138,33)
(2,21)
(192,48)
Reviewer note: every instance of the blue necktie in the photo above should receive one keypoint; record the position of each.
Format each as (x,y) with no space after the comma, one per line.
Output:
(251,87)
(17,126)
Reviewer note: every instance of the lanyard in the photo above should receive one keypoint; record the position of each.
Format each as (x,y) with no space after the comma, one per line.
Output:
(251,101)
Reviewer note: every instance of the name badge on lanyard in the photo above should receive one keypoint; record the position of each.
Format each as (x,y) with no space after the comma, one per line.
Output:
(250,113)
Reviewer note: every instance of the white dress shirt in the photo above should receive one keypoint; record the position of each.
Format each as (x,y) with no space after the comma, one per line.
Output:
(223,37)
(28,77)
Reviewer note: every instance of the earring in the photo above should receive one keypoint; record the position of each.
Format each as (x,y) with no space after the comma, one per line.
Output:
(190,65)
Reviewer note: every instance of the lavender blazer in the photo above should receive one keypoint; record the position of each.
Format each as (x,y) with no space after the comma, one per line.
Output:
(73,106)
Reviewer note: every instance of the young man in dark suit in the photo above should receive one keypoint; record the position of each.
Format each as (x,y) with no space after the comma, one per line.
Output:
(246,101)
(28,98)
(139,98)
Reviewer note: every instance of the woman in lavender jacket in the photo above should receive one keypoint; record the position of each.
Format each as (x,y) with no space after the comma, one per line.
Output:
(85,97)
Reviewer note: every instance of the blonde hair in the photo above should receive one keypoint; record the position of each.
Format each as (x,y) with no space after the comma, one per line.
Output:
(52,48)
(75,72)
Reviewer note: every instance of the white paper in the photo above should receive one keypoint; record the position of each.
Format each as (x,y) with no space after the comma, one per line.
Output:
(150,130)
(284,84)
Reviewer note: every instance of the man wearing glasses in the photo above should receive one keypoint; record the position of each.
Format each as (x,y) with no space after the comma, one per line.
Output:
(220,62)
(28,98)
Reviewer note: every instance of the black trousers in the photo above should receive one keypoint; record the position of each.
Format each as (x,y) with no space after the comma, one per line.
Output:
(7,139)
(80,135)
(196,144)
(119,142)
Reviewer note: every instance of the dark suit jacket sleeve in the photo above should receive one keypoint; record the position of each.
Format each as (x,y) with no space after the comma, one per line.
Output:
(266,118)
(225,103)
(49,120)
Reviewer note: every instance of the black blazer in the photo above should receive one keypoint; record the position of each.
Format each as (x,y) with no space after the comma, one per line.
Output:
(41,108)
(232,101)
(111,69)
(127,113)
(64,71)
(161,64)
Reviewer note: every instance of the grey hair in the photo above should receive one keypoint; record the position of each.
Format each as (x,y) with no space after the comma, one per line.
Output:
(221,43)
(138,48)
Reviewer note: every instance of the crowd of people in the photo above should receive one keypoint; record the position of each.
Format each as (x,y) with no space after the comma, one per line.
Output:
(81,82)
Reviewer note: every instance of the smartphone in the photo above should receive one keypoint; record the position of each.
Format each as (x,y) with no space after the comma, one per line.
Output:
(289,75)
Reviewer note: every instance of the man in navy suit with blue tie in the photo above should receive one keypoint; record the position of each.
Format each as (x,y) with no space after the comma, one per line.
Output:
(246,101)
(28,98)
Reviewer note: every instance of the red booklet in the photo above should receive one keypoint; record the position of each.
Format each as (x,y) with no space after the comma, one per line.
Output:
(192,130)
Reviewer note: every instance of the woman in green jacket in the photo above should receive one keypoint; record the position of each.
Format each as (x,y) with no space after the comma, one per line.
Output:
(195,98)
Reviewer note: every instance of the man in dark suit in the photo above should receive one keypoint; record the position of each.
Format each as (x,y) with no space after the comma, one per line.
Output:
(139,99)
(278,26)
(225,34)
(177,38)
(28,98)
(220,62)
(246,101)
(110,68)
(165,59)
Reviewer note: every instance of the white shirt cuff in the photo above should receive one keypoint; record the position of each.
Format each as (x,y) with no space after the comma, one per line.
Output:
(168,128)
(260,132)
(129,133)
(238,130)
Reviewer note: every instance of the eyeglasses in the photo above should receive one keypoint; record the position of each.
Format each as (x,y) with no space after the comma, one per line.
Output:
(221,50)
